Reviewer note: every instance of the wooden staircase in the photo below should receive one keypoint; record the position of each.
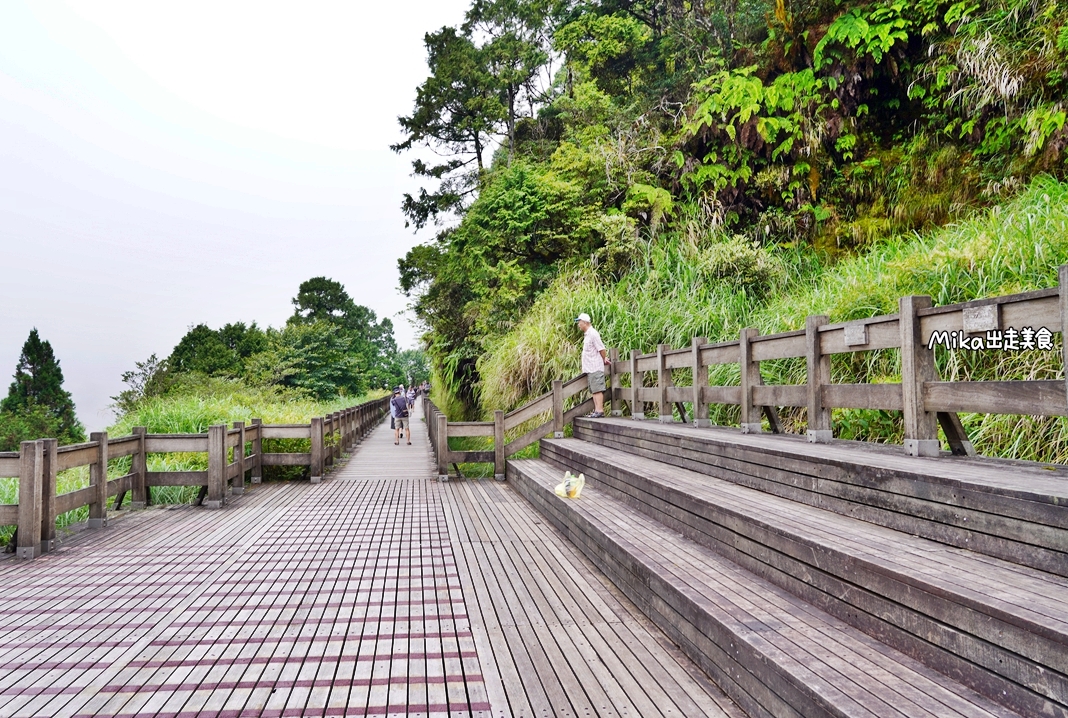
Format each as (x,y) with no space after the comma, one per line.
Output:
(837,579)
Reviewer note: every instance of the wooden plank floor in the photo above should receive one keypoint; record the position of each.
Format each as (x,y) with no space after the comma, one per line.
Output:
(377,592)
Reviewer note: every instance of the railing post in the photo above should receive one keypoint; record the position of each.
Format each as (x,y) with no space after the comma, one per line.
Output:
(818,368)
(257,449)
(917,367)
(1062,280)
(239,458)
(316,469)
(139,469)
(98,479)
(29,512)
(750,375)
(49,456)
(558,409)
(443,446)
(615,385)
(637,380)
(700,381)
(663,381)
(216,467)
(498,445)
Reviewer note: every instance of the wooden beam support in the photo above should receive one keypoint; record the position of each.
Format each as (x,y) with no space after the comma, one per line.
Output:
(239,459)
(498,445)
(257,451)
(917,367)
(700,381)
(49,453)
(637,379)
(663,381)
(750,375)
(139,469)
(98,479)
(317,466)
(615,386)
(216,496)
(558,409)
(959,443)
(818,373)
(28,543)
(443,446)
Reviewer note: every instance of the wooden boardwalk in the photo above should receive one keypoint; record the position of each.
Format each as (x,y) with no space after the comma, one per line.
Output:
(377,592)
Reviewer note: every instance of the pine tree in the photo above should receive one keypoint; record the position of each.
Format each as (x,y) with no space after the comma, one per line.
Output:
(38,391)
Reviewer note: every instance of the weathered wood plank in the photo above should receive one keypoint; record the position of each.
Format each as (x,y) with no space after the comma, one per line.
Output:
(122,484)
(780,395)
(1032,398)
(176,443)
(784,345)
(9,514)
(530,437)
(722,353)
(290,459)
(9,464)
(470,428)
(862,396)
(287,431)
(75,499)
(75,455)
(177,478)
(543,404)
(722,394)
(882,332)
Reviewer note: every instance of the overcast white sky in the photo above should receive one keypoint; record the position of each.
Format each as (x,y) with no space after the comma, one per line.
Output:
(164,164)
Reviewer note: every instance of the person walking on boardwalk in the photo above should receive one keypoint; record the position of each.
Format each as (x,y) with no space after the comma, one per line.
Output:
(398,409)
(594,361)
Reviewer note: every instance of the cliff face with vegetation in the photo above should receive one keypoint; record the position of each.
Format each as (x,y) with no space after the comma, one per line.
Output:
(680,168)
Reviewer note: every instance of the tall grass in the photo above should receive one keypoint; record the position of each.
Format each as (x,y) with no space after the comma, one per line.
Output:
(678,289)
(190,409)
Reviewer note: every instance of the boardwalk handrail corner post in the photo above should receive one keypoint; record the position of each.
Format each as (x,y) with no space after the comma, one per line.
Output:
(637,383)
(442,449)
(750,377)
(239,459)
(558,409)
(498,445)
(49,466)
(1062,285)
(257,452)
(917,368)
(615,395)
(28,544)
(699,382)
(818,374)
(98,479)
(216,496)
(139,470)
(316,468)
(663,381)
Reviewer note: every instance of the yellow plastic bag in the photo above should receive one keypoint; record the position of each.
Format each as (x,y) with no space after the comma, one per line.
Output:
(571,487)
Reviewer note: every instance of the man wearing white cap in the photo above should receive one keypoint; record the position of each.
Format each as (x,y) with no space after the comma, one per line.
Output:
(593,362)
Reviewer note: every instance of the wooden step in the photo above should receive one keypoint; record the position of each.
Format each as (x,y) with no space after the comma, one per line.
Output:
(1012,510)
(997,627)
(774,654)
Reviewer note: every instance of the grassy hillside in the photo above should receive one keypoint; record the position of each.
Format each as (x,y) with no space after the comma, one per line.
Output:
(680,289)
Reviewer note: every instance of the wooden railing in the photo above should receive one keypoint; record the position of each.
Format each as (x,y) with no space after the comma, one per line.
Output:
(232,453)
(1031,319)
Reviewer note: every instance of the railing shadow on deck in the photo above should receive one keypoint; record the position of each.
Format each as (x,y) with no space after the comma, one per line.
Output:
(1027,320)
(232,453)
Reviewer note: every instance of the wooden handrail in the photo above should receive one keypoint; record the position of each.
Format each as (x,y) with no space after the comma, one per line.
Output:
(37,463)
(926,402)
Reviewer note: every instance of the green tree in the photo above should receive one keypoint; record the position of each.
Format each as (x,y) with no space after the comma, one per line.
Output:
(36,401)
(221,352)
(314,357)
(413,367)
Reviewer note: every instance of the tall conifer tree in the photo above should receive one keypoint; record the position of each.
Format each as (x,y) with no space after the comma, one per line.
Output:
(38,391)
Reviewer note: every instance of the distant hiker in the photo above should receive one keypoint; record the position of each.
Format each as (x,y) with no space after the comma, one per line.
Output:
(398,409)
(593,362)
(411,399)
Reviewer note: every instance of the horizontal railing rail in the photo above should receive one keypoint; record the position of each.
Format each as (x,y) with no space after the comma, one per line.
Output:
(232,454)
(1028,320)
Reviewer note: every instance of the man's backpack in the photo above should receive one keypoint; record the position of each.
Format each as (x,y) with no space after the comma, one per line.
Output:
(400,406)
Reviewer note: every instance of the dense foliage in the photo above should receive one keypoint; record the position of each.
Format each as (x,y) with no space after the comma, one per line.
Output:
(765,139)
(330,346)
(37,405)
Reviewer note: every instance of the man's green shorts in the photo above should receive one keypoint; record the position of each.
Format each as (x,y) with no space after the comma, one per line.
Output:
(596,380)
